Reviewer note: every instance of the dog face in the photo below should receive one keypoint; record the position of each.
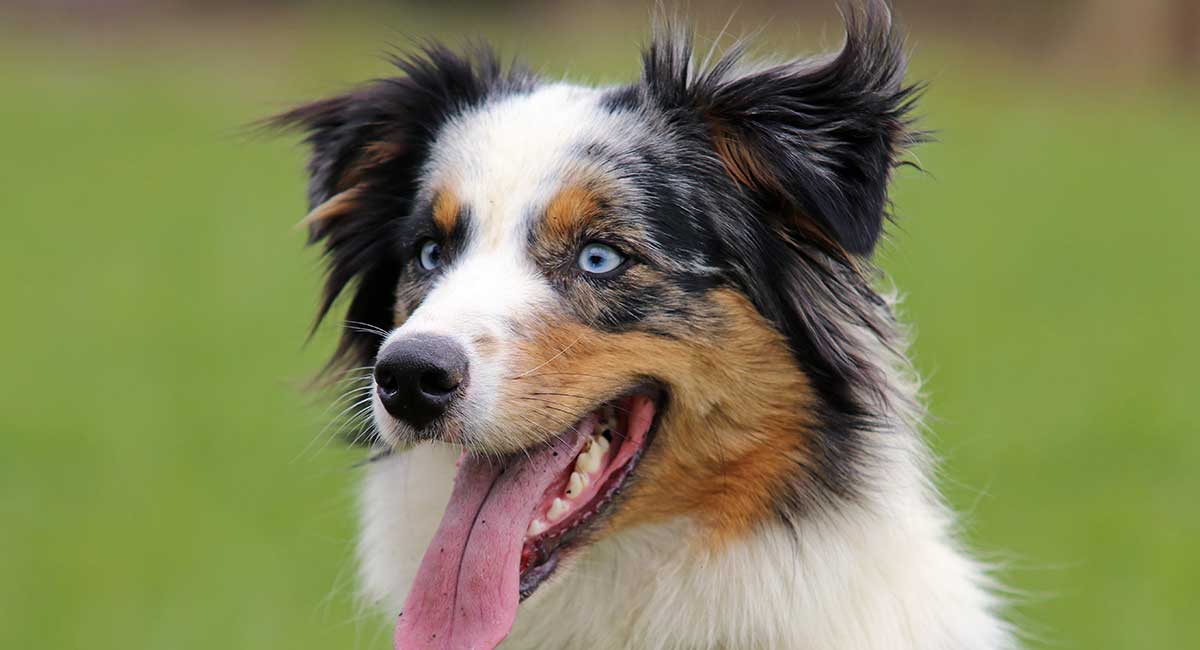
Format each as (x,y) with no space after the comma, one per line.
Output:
(544,238)
(624,304)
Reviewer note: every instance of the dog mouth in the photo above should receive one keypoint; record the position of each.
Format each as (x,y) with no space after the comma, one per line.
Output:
(584,492)
(510,522)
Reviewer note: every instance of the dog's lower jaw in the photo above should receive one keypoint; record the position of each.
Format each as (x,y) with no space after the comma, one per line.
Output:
(878,573)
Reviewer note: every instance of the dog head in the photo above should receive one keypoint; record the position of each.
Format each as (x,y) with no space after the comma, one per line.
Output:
(624,304)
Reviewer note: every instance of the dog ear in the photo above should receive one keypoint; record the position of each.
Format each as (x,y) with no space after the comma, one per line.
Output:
(815,139)
(368,147)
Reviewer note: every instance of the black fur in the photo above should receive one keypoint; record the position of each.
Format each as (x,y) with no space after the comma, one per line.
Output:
(829,132)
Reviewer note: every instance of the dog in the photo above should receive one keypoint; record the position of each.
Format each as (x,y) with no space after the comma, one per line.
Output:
(631,380)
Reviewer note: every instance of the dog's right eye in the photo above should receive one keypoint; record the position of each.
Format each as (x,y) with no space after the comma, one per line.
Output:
(431,255)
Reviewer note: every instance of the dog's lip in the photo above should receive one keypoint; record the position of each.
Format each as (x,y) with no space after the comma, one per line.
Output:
(549,551)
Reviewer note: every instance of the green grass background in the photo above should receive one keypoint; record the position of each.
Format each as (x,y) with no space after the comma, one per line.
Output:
(160,486)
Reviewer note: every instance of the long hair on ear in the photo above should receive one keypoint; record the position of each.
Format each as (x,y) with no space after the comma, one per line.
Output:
(807,147)
(368,147)
(817,137)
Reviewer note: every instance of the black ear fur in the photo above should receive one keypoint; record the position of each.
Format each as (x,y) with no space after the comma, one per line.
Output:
(368,148)
(817,137)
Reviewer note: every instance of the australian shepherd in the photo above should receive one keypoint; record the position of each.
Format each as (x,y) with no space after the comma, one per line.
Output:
(632,382)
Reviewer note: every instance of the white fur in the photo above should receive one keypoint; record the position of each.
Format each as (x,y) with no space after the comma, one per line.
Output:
(882,576)
(402,502)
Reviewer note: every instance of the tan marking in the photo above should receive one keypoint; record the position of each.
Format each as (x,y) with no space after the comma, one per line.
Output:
(372,155)
(446,210)
(382,151)
(735,436)
(337,205)
(349,185)
(573,206)
(747,169)
(742,163)
(816,234)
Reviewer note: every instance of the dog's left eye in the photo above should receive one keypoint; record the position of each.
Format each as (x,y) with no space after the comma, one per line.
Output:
(599,259)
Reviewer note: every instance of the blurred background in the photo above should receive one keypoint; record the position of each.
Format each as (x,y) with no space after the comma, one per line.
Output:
(167,482)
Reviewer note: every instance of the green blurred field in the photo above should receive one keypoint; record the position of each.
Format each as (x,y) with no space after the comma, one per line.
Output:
(158,488)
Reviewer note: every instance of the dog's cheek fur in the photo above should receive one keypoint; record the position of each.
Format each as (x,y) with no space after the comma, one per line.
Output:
(737,433)
(735,436)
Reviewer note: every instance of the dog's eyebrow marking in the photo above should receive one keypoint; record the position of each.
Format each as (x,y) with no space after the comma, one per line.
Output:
(574,205)
(446,211)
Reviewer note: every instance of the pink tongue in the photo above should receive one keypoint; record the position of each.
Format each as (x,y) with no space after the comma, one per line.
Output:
(467,589)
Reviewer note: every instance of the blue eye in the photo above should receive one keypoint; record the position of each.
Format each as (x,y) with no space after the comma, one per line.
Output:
(598,259)
(431,255)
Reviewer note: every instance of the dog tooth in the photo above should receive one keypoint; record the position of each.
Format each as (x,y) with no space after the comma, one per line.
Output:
(589,461)
(575,485)
(557,510)
(536,527)
(601,444)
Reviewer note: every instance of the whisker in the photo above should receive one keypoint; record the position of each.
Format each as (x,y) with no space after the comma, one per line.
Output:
(362,423)
(364,431)
(382,454)
(340,399)
(351,379)
(539,429)
(338,422)
(561,373)
(366,328)
(547,361)
(545,431)
(552,405)
(584,398)
(364,369)
(343,419)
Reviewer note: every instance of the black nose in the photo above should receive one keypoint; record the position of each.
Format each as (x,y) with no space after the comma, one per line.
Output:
(419,376)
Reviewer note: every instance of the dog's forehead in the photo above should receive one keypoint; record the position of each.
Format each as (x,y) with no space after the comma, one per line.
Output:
(505,160)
